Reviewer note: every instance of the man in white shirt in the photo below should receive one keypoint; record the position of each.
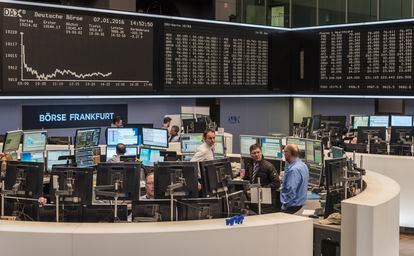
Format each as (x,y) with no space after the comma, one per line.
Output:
(120,151)
(205,151)
(174,134)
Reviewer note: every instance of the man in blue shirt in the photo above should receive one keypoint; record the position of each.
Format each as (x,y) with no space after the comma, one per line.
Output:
(295,181)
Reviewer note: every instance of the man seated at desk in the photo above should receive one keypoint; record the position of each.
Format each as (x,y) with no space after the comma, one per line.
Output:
(295,181)
(263,169)
(205,151)
(120,151)
(149,187)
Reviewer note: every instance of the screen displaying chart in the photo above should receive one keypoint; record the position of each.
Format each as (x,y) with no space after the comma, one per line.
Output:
(63,50)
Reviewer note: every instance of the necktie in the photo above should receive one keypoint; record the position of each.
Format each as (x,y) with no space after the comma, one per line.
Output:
(255,171)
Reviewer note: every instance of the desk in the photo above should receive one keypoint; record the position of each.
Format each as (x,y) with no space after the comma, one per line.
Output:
(269,234)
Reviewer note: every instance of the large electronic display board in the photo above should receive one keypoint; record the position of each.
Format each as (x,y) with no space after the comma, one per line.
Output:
(55,49)
(367,59)
(208,56)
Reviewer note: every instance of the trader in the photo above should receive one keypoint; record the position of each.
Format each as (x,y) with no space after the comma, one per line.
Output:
(261,168)
(269,178)
(166,122)
(205,151)
(174,134)
(149,187)
(117,122)
(295,181)
(120,151)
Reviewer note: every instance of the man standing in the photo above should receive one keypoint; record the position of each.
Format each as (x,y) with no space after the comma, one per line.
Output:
(263,169)
(205,151)
(166,122)
(295,181)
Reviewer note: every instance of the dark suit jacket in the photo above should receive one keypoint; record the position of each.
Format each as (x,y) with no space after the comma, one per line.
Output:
(267,173)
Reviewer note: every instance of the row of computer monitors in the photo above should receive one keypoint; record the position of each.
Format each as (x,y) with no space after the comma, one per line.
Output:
(84,157)
(128,173)
(381,121)
(89,137)
(310,150)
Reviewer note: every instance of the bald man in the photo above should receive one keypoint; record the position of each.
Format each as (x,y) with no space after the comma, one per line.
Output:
(295,181)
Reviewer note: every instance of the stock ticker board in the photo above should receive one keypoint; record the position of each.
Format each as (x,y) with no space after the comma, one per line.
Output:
(57,49)
(364,59)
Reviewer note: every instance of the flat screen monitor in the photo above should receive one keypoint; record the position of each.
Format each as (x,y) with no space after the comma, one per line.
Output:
(215,176)
(139,126)
(34,141)
(81,184)
(34,157)
(149,156)
(314,151)
(87,137)
(127,136)
(184,173)
(190,142)
(53,158)
(84,157)
(315,173)
(111,151)
(334,171)
(219,145)
(155,137)
(379,121)
(25,178)
(406,121)
(402,135)
(126,175)
(12,141)
(245,142)
(359,121)
(375,132)
(271,147)
(337,152)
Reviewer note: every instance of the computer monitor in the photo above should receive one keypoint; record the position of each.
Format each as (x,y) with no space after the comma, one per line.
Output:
(316,123)
(53,158)
(34,157)
(111,151)
(334,121)
(337,152)
(402,135)
(127,136)
(315,174)
(245,142)
(271,147)
(24,179)
(379,121)
(126,175)
(84,157)
(88,137)
(34,141)
(335,171)
(400,121)
(215,176)
(77,180)
(155,137)
(375,132)
(314,151)
(190,142)
(359,121)
(149,156)
(183,174)
(12,141)
(219,146)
